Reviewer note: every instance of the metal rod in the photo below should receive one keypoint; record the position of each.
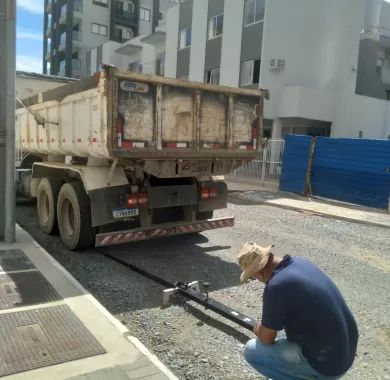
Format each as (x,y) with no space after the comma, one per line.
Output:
(10,38)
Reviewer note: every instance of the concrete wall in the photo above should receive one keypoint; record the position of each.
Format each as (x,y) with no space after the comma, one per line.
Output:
(231,42)
(361,113)
(321,50)
(172,39)
(198,40)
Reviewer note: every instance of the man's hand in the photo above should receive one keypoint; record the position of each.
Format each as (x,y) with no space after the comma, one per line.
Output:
(266,335)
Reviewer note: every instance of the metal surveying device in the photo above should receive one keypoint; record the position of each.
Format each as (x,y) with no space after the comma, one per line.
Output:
(190,290)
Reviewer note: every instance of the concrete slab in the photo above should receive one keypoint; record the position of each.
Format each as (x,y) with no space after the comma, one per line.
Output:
(340,211)
(122,349)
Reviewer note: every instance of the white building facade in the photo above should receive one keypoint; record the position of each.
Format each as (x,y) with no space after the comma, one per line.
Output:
(326,63)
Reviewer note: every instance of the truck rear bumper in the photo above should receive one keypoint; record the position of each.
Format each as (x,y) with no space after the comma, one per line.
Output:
(121,237)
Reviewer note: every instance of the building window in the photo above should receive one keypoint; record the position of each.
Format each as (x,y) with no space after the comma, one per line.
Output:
(250,72)
(99,29)
(78,5)
(128,34)
(185,38)
(212,76)
(215,26)
(254,11)
(103,3)
(144,14)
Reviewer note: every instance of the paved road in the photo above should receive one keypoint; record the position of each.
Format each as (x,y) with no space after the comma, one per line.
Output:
(195,343)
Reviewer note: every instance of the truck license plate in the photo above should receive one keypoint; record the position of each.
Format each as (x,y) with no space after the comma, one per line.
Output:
(120,213)
(194,167)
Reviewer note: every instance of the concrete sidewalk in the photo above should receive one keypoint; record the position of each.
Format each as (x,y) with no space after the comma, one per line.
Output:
(342,211)
(52,328)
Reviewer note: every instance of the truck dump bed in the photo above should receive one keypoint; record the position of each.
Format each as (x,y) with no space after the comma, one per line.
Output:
(169,126)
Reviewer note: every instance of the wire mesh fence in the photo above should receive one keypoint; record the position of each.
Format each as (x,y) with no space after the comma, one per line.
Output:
(264,172)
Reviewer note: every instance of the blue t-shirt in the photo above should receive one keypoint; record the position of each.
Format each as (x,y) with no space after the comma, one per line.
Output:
(304,301)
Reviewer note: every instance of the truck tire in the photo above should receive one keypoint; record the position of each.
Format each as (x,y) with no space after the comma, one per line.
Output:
(74,217)
(47,195)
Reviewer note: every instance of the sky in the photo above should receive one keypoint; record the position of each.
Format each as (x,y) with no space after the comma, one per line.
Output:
(29,35)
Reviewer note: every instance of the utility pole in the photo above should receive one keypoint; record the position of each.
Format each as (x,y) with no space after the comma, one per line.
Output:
(7,119)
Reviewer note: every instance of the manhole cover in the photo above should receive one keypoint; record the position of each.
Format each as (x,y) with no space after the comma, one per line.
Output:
(25,288)
(43,337)
(14,259)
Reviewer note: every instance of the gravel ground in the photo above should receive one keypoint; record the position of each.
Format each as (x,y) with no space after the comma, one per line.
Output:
(199,345)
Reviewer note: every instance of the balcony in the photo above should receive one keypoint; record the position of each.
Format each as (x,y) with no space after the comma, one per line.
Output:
(117,35)
(49,7)
(62,18)
(47,55)
(48,31)
(125,17)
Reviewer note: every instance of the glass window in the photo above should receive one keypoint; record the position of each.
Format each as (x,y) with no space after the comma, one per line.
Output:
(144,14)
(99,29)
(250,72)
(254,11)
(185,38)
(212,76)
(215,26)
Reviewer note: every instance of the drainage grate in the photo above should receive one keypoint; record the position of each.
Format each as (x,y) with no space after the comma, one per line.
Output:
(25,288)
(14,259)
(43,337)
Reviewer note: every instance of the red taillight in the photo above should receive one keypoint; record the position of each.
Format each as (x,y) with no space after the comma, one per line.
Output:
(208,192)
(205,193)
(137,200)
(143,199)
(213,192)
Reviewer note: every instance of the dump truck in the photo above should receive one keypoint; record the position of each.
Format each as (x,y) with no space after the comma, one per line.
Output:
(124,156)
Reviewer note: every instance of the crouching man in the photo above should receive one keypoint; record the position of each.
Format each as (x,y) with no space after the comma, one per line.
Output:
(304,302)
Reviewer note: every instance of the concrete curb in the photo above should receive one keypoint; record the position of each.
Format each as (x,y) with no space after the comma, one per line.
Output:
(327,215)
(317,212)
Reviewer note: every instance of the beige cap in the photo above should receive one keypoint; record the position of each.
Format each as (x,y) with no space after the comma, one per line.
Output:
(252,258)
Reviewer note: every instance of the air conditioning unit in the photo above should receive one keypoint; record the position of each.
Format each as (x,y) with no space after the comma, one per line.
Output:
(277,64)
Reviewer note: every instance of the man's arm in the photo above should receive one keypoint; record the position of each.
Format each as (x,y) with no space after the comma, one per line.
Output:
(266,335)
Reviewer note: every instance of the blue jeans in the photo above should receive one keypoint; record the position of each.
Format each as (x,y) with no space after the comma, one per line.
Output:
(282,360)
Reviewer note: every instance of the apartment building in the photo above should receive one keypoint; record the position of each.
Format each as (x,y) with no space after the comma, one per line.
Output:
(72,28)
(144,53)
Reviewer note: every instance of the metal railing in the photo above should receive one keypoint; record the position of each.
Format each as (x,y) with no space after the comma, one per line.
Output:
(264,172)
(20,155)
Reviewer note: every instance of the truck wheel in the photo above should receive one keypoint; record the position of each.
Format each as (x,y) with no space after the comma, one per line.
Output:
(47,195)
(204,215)
(74,217)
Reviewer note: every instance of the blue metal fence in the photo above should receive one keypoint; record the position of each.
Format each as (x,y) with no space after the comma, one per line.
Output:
(351,170)
(296,159)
